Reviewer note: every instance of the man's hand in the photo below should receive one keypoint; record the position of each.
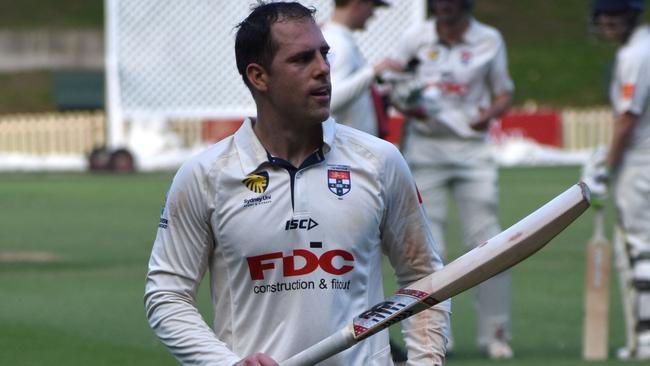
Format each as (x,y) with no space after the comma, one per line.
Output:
(598,185)
(388,64)
(257,359)
(499,106)
(595,174)
(483,121)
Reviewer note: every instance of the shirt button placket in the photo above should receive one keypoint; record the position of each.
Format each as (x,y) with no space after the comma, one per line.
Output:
(299,193)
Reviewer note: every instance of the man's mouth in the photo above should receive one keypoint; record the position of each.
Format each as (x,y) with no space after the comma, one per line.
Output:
(323,91)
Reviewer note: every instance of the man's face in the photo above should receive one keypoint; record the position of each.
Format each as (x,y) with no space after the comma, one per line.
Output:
(613,26)
(448,10)
(363,10)
(299,76)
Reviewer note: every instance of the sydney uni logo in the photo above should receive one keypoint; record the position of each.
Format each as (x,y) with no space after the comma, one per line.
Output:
(302,224)
(257,182)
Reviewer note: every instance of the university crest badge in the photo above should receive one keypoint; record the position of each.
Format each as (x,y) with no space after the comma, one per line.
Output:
(338,180)
(257,182)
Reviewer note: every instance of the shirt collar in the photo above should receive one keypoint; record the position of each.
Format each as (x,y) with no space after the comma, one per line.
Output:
(472,34)
(639,32)
(252,154)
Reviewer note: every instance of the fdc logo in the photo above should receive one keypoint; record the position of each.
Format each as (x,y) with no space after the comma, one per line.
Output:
(310,262)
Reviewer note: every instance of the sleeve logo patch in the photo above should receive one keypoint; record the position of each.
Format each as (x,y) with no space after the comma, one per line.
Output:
(627,91)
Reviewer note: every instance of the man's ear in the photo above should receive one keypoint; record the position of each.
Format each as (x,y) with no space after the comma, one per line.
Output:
(257,77)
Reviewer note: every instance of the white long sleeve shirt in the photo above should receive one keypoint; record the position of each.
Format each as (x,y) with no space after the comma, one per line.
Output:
(293,254)
(630,92)
(352,78)
(465,75)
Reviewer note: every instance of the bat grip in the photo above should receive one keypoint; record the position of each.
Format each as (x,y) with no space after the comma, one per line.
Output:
(599,224)
(322,350)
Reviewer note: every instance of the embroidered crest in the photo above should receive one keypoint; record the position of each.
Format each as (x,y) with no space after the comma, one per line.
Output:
(257,182)
(338,180)
(465,57)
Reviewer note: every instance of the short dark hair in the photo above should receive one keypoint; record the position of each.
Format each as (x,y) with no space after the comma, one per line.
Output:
(341,3)
(254,43)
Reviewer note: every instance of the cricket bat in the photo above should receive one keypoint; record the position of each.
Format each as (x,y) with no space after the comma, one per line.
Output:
(483,262)
(596,306)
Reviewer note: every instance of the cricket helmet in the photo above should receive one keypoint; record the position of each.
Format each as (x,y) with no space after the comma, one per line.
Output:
(467,5)
(616,6)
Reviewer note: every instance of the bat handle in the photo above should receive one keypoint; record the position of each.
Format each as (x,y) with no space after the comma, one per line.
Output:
(599,224)
(322,350)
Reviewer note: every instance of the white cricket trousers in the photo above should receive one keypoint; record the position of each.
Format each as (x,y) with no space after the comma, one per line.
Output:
(465,171)
(632,198)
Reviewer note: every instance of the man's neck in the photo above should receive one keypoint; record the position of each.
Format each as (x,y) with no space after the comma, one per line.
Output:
(625,38)
(451,32)
(342,17)
(290,141)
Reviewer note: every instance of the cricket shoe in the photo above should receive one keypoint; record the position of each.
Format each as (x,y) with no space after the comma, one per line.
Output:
(642,351)
(499,350)
(643,348)
(624,354)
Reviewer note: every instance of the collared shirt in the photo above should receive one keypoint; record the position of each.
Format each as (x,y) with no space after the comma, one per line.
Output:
(464,76)
(293,254)
(630,92)
(352,78)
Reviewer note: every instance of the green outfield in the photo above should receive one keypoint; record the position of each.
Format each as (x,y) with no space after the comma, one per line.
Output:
(74,295)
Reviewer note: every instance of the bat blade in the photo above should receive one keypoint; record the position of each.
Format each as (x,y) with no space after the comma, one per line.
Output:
(596,301)
(485,261)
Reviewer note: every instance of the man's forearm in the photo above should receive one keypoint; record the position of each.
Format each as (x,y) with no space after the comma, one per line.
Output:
(182,329)
(425,335)
(622,129)
(499,106)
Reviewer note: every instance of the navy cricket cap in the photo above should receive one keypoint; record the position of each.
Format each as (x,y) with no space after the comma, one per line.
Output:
(616,6)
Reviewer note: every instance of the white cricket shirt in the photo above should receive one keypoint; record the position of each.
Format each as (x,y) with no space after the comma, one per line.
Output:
(630,92)
(464,76)
(292,254)
(351,77)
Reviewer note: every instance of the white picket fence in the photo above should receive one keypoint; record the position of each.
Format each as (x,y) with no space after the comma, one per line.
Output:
(80,132)
(586,128)
(51,133)
(71,133)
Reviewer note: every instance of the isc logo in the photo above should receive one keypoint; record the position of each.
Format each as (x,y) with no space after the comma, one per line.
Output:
(294,224)
(309,262)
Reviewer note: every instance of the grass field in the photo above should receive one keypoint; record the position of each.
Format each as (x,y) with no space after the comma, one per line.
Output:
(84,305)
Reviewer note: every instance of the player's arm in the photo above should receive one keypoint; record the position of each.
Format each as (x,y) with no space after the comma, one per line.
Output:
(347,83)
(501,86)
(179,259)
(622,130)
(634,93)
(500,104)
(407,241)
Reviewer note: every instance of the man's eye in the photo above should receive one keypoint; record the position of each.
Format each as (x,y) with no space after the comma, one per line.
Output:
(303,58)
